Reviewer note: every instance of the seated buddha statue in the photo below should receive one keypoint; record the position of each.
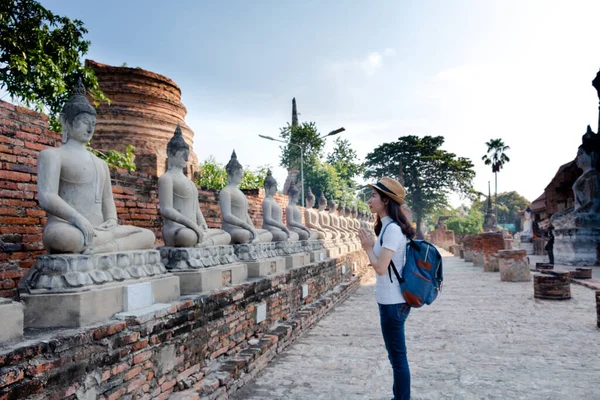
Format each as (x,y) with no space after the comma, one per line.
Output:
(293,216)
(311,218)
(272,215)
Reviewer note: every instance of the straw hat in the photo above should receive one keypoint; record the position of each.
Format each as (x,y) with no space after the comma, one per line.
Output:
(391,188)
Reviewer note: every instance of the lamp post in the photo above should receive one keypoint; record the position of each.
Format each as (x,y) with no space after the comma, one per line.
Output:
(332,133)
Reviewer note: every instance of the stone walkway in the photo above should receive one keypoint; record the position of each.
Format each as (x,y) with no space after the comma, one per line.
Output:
(482,339)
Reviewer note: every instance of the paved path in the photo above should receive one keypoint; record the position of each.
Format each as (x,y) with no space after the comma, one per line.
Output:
(482,339)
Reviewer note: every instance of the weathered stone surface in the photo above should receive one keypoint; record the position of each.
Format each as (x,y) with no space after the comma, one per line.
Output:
(144,108)
(513,266)
(255,251)
(205,279)
(581,273)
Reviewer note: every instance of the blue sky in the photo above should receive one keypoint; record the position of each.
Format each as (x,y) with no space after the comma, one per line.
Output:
(467,70)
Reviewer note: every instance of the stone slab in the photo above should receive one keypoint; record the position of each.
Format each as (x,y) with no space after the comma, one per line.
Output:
(99,303)
(205,279)
(297,260)
(268,266)
(318,256)
(137,295)
(144,314)
(11,315)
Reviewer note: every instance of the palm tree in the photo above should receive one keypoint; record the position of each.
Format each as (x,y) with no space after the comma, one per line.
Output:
(496,157)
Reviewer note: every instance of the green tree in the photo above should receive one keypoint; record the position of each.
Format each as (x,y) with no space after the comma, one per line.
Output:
(212,175)
(307,136)
(40,57)
(496,157)
(508,204)
(430,173)
(322,177)
(343,158)
(470,224)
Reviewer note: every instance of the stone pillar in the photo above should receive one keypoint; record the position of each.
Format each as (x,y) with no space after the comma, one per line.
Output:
(513,266)
(145,108)
(477,248)
(468,248)
(552,287)
(491,243)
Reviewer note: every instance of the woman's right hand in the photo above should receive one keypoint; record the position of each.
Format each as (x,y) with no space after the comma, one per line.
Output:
(366,240)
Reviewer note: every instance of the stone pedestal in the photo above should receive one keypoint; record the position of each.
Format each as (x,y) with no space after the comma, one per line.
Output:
(468,255)
(491,243)
(576,246)
(476,247)
(468,248)
(581,273)
(11,315)
(478,259)
(513,266)
(268,266)
(318,256)
(72,290)
(261,258)
(205,279)
(297,260)
(552,287)
(334,252)
(183,258)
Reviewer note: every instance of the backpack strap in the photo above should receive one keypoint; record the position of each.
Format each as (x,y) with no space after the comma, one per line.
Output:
(391,262)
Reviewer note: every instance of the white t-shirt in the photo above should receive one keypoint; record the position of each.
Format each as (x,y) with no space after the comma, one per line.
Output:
(387,292)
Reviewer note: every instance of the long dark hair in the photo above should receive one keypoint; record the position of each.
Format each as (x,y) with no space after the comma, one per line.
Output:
(394,211)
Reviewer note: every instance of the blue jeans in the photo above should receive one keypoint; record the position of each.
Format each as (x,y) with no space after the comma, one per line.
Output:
(392,317)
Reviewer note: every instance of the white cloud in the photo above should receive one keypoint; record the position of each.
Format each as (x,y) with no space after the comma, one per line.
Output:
(367,65)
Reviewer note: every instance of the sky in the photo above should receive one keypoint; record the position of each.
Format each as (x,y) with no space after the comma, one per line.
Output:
(466,70)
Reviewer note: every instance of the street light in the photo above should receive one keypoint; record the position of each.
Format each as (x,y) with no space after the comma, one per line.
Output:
(332,133)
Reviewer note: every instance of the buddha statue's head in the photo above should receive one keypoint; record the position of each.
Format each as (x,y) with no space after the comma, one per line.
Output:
(331,204)
(310,198)
(322,201)
(354,212)
(588,154)
(177,150)
(293,193)
(347,210)
(234,170)
(270,184)
(78,117)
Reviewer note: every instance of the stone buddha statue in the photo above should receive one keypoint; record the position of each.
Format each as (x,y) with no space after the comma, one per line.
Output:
(184,225)
(293,216)
(234,208)
(344,222)
(354,219)
(311,218)
(74,188)
(586,189)
(335,220)
(272,215)
(325,218)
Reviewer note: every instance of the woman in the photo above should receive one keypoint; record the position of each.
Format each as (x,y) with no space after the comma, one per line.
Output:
(385,202)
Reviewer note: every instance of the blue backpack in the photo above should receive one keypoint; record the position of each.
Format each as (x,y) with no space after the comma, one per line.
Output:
(422,276)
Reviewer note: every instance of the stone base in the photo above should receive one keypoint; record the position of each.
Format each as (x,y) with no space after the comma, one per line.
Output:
(95,304)
(334,252)
(205,279)
(478,259)
(297,260)
(513,266)
(11,315)
(468,255)
(318,256)
(255,251)
(491,265)
(576,246)
(196,257)
(268,266)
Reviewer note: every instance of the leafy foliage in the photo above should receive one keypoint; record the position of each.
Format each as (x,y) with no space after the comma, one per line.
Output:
(40,57)
(430,173)
(305,135)
(496,157)
(470,224)
(343,158)
(212,175)
(116,159)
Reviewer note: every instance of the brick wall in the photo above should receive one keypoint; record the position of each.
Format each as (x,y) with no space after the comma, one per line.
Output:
(201,342)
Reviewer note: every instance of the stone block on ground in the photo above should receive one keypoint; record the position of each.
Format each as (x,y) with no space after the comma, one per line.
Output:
(552,287)
(513,266)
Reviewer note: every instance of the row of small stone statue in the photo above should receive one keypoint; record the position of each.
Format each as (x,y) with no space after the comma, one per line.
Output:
(185,225)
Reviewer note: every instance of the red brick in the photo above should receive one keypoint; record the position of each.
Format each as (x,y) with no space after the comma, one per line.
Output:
(132,373)
(8,157)
(35,146)
(15,176)
(136,384)
(7,284)
(139,358)
(139,345)
(9,211)
(12,274)
(119,369)
(21,229)
(19,221)
(13,194)
(17,203)
(35,213)
(106,375)
(109,330)
(168,385)
(117,395)
(10,376)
